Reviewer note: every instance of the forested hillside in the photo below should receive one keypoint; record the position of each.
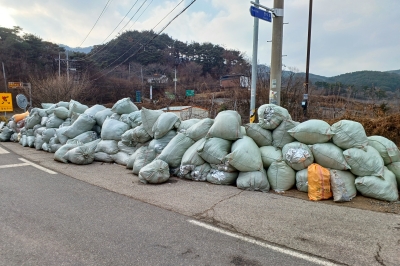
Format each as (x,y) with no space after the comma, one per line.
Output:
(129,63)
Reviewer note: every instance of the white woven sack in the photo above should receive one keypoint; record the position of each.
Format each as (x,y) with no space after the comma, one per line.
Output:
(329,155)
(61,112)
(214,150)
(76,107)
(103,157)
(378,188)
(364,163)
(227,125)
(270,116)
(120,158)
(245,155)
(80,155)
(200,172)
(159,144)
(186,124)
(124,106)
(281,176)
(297,155)
(253,181)
(156,172)
(87,136)
(82,124)
(280,135)
(395,168)
(386,148)
(342,184)
(60,153)
(200,129)
(113,129)
(222,178)
(191,157)
(125,148)
(136,135)
(261,136)
(149,117)
(135,119)
(107,146)
(270,154)
(164,123)
(349,134)
(101,116)
(311,132)
(144,156)
(94,109)
(174,151)
(302,180)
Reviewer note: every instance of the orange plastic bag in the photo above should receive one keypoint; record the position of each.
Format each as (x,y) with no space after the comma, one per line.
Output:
(319,182)
(19,117)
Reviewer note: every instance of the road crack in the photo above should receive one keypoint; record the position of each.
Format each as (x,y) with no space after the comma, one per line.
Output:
(378,255)
(208,215)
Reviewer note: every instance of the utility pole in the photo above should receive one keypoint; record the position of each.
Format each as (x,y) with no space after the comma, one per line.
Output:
(59,65)
(254,70)
(304,102)
(67,67)
(276,54)
(4,75)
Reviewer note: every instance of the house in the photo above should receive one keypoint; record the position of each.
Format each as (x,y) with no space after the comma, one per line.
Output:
(234,80)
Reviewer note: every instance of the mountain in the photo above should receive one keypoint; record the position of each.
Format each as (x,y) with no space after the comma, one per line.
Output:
(85,50)
(394,71)
(387,80)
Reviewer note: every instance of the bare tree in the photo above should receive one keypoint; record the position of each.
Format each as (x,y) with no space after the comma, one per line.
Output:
(55,88)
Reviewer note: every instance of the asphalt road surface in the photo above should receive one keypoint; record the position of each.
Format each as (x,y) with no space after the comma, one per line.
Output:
(47,218)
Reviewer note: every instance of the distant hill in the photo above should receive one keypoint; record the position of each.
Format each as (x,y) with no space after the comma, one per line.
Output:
(85,50)
(385,80)
(388,80)
(394,71)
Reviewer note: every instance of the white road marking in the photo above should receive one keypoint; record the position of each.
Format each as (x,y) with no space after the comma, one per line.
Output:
(262,244)
(38,166)
(14,165)
(3,151)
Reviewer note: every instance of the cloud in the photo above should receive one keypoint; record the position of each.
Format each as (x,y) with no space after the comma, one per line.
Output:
(346,35)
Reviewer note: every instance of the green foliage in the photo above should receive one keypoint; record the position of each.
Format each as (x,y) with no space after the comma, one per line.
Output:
(214,59)
(25,55)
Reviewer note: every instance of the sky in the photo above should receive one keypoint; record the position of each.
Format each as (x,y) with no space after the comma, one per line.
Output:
(347,36)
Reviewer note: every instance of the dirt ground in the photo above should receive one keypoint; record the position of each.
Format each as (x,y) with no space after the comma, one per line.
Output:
(359,202)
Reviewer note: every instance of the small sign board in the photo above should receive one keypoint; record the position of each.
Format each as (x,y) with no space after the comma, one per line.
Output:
(261,14)
(189,93)
(6,102)
(138,96)
(13,85)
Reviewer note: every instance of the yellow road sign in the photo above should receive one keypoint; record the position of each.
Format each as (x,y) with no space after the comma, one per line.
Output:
(6,102)
(13,85)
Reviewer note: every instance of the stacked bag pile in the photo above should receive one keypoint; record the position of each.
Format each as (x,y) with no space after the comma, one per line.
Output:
(276,153)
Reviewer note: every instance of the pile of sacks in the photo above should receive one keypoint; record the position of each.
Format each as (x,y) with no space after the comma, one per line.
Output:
(275,153)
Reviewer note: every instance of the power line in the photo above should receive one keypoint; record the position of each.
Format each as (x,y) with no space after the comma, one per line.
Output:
(183,10)
(121,20)
(101,14)
(138,42)
(104,46)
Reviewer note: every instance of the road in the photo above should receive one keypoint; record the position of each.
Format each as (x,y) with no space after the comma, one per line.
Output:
(48,218)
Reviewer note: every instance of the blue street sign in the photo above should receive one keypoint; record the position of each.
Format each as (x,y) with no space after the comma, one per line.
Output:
(261,14)
(138,96)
